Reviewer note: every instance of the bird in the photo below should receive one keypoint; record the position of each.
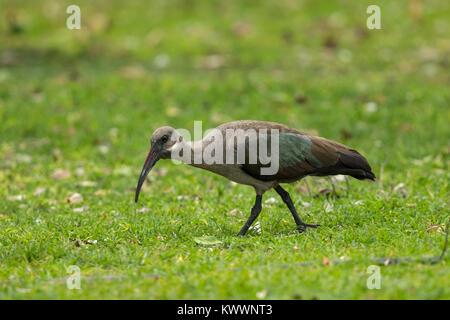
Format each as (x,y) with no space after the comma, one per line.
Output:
(299,155)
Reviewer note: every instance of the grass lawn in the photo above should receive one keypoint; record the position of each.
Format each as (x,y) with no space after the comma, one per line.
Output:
(77,108)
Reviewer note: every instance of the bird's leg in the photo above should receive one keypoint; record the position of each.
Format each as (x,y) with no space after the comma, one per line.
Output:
(287,199)
(254,214)
(332,186)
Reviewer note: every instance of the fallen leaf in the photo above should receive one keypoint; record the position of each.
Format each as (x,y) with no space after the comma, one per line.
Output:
(79,243)
(300,99)
(18,197)
(87,184)
(113,133)
(339,178)
(406,127)
(100,192)
(75,198)
(143,210)
(161,61)
(172,111)
(98,22)
(213,61)
(261,294)
(242,28)
(434,227)
(23,158)
(104,149)
(326,192)
(326,261)
(345,134)
(401,188)
(302,189)
(218,118)
(330,42)
(371,107)
(60,174)
(154,37)
(415,10)
(79,171)
(132,72)
(123,171)
(306,204)
(256,227)
(271,200)
(328,207)
(288,36)
(39,191)
(207,240)
(159,172)
(57,154)
(234,212)
(80,209)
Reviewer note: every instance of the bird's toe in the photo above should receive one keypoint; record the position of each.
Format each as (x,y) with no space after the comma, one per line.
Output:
(302,227)
(311,225)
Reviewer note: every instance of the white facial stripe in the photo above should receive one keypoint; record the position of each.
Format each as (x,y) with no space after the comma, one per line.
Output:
(173,146)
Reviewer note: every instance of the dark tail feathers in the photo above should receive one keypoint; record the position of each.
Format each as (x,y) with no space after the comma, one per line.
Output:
(352,163)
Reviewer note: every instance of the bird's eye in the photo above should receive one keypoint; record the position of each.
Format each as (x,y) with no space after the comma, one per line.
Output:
(164,139)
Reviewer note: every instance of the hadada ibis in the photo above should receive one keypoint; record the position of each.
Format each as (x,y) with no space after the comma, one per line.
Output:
(297,155)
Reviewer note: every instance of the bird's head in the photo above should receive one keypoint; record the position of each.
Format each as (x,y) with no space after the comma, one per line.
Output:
(162,142)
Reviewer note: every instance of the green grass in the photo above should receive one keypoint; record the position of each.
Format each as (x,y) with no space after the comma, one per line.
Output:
(87,101)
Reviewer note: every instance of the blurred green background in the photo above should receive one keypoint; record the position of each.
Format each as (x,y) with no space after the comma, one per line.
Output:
(85,102)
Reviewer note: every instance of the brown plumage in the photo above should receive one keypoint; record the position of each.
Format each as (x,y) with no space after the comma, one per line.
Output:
(299,155)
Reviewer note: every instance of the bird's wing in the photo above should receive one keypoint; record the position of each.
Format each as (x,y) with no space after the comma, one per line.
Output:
(301,155)
(295,158)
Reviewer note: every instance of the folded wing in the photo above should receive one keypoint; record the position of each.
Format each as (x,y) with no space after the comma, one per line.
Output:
(301,155)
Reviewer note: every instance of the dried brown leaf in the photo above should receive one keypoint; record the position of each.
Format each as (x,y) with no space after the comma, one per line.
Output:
(434,227)
(75,198)
(60,174)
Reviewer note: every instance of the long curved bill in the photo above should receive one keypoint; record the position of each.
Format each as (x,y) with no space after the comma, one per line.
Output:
(152,157)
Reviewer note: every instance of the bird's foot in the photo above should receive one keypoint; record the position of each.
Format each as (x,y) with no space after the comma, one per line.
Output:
(302,227)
